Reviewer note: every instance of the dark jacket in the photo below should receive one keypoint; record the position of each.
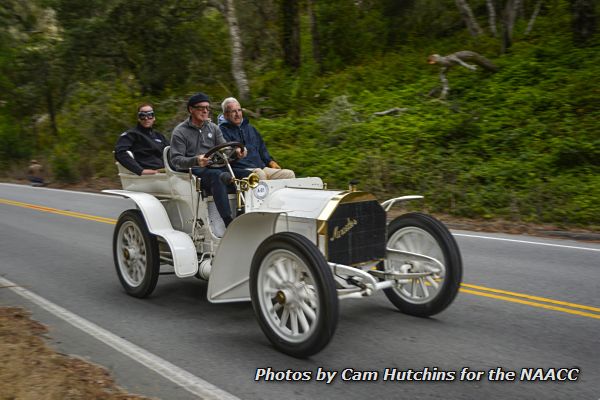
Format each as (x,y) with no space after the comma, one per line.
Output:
(258,155)
(147,146)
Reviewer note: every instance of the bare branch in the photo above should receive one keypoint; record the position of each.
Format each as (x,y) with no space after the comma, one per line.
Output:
(395,110)
(253,114)
(461,58)
(458,58)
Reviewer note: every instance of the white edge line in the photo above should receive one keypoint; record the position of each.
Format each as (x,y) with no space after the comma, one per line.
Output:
(181,377)
(527,242)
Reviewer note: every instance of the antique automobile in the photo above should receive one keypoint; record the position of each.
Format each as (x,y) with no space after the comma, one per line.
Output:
(294,250)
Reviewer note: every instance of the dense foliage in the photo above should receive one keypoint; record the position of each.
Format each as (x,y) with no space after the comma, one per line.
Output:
(522,143)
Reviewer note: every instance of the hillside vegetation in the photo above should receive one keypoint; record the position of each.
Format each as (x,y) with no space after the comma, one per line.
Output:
(522,143)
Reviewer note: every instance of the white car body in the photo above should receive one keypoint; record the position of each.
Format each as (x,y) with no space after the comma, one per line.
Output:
(341,224)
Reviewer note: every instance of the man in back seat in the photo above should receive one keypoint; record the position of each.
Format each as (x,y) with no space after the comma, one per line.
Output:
(236,128)
(145,143)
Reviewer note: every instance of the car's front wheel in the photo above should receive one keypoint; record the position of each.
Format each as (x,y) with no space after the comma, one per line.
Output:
(435,254)
(136,255)
(293,294)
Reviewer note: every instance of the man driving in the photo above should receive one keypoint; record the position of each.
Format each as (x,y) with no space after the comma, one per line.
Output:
(191,140)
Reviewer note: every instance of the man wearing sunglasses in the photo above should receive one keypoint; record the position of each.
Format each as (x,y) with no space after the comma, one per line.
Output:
(144,143)
(191,140)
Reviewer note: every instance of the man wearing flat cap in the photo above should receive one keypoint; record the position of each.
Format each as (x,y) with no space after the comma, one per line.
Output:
(191,139)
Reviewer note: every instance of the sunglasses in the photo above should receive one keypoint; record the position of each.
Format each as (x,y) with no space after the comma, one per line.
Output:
(146,115)
(204,108)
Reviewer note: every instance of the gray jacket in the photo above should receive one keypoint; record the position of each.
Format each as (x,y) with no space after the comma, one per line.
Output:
(189,141)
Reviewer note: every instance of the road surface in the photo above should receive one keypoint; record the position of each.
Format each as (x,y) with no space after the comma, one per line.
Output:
(528,312)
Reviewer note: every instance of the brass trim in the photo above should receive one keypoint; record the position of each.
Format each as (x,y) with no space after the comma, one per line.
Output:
(331,206)
(322,228)
(355,197)
(340,198)
(322,236)
(343,198)
(339,232)
(365,263)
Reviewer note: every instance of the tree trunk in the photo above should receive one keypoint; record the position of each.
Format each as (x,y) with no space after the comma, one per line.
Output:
(534,15)
(51,111)
(492,17)
(468,18)
(519,11)
(508,23)
(237,54)
(291,33)
(445,84)
(584,20)
(314,31)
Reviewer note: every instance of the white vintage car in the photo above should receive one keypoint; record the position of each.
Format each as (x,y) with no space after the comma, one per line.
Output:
(295,249)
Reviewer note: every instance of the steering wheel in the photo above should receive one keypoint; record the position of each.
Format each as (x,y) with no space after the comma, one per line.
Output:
(222,154)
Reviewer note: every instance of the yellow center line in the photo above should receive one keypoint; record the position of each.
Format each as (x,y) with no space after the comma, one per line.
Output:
(60,212)
(465,287)
(526,296)
(531,303)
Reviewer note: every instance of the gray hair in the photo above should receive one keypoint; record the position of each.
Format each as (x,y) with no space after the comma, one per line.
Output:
(227,101)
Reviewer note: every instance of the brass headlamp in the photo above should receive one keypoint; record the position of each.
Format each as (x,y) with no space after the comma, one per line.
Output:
(247,183)
(244,185)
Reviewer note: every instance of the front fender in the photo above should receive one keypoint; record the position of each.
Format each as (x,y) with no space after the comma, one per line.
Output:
(185,259)
(389,203)
(230,270)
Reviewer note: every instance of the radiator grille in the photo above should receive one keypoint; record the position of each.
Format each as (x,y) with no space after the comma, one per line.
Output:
(356,233)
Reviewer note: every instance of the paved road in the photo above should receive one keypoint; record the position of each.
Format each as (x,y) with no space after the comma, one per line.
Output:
(525,303)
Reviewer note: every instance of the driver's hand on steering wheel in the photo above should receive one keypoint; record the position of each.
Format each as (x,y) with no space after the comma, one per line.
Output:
(202,161)
(241,153)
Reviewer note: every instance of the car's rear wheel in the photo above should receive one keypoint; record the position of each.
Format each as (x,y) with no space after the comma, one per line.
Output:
(136,255)
(423,235)
(293,294)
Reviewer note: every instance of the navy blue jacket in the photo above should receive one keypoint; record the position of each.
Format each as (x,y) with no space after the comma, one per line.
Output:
(147,147)
(258,155)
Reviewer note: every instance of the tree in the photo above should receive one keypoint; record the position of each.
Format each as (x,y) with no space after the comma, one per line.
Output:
(315,36)
(492,17)
(237,53)
(290,28)
(534,15)
(584,20)
(509,17)
(37,72)
(468,18)
(350,31)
